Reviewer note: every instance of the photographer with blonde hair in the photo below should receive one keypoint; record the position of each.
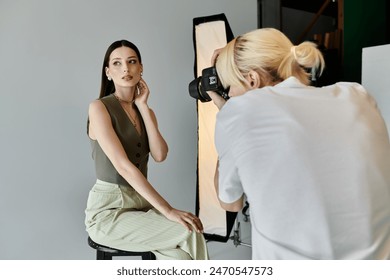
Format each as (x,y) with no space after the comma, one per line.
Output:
(313,163)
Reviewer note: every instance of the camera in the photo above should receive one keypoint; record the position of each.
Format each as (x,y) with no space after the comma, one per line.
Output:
(209,81)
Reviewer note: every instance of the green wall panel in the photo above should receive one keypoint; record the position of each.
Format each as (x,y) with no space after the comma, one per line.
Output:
(365,25)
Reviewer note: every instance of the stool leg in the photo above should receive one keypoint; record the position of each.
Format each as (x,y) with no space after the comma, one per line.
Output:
(100,255)
(148,256)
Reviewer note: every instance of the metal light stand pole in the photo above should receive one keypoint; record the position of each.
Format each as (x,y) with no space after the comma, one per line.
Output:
(236,231)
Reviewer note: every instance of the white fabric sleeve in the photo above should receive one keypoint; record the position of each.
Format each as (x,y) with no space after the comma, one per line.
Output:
(229,183)
(230,188)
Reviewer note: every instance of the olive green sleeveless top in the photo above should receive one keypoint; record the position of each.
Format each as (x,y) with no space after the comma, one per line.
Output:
(136,145)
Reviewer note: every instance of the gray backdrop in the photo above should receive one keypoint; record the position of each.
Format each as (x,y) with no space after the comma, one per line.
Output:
(51,53)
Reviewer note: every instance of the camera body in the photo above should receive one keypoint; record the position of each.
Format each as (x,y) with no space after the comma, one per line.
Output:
(209,81)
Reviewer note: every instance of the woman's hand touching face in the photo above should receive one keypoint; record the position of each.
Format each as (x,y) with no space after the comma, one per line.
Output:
(142,93)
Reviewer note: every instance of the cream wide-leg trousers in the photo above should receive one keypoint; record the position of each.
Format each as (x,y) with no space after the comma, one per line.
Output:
(118,217)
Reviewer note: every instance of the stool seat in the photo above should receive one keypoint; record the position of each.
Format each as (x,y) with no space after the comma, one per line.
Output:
(106,253)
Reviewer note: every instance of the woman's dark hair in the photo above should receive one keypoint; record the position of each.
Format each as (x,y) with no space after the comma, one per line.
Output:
(107,87)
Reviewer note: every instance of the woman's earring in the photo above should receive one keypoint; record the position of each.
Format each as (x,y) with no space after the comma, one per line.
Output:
(109,78)
(142,73)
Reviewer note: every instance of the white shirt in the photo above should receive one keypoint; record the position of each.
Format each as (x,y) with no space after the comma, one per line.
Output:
(314,164)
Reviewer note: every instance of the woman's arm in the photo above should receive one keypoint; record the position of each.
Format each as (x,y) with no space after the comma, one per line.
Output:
(102,130)
(158,146)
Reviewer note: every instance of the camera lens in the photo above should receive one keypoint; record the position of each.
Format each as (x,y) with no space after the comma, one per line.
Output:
(196,91)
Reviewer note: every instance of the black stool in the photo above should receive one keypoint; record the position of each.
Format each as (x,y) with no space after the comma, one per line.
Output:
(106,253)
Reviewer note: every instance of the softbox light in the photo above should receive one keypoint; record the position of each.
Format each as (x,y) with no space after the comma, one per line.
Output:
(209,33)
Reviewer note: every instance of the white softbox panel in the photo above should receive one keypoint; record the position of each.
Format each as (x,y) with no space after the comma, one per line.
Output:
(210,33)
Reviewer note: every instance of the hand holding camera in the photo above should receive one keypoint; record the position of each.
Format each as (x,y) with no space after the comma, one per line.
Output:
(218,100)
